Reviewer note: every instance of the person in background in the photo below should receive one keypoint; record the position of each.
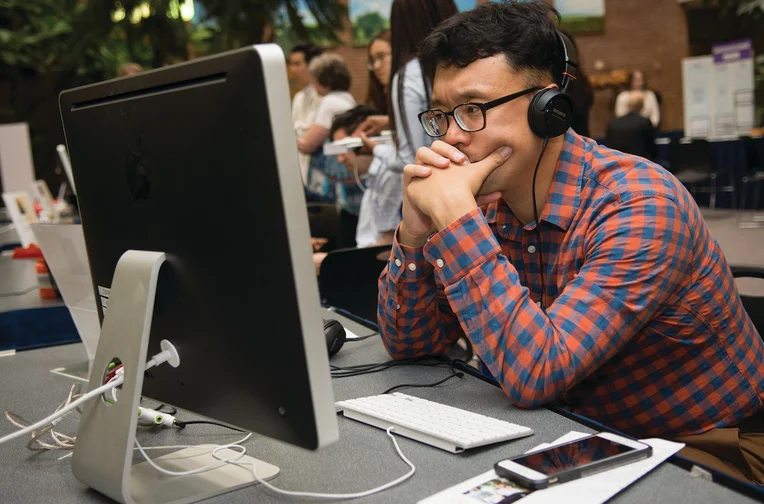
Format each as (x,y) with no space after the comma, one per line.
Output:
(379,213)
(130,68)
(650,109)
(410,22)
(582,95)
(331,79)
(306,101)
(380,53)
(379,65)
(325,177)
(632,133)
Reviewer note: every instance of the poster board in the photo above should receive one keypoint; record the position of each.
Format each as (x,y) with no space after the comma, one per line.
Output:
(719,92)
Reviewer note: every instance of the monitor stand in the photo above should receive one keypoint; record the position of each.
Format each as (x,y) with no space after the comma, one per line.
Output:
(103,454)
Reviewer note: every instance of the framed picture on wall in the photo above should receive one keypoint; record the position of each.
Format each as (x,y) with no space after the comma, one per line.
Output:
(582,16)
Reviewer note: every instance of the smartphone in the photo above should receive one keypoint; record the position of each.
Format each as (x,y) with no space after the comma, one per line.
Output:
(569,461)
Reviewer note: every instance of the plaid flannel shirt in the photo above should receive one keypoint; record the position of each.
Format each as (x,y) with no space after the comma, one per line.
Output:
(644,330)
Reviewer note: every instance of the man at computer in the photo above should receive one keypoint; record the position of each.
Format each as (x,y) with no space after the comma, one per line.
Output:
(602,289)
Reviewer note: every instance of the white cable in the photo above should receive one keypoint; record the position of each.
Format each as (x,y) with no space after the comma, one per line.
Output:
(206,468)
(168,354)
(172,447)
(63,411)
(234,460)
(339,496)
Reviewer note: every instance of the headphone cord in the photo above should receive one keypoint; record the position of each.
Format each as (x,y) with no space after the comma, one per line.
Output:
(538,224)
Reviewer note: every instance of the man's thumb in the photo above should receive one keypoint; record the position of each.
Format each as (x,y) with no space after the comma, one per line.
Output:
(493,161)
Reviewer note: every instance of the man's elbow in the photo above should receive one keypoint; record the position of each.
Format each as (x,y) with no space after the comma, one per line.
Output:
(527,396)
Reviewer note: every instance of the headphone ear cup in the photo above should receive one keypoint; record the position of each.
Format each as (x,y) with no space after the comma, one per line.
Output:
(550,113)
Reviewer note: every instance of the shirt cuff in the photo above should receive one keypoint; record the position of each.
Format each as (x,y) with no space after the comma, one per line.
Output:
(462,246)
(407,262)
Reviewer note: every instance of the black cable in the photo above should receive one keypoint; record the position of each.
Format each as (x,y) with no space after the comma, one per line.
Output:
(363,369)
(538,224)
(173,410)
(424,385)
(361,338)
(182,425)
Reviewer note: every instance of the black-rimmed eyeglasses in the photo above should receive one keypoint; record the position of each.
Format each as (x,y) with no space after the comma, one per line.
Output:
(469,117)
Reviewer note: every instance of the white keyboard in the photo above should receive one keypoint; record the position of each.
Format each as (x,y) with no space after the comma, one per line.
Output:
(438,425)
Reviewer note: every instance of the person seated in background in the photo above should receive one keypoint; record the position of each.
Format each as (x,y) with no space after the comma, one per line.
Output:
(380,66)
(591,280)
(379,213)
(331,79)
(650,108)
(633,133)
(306,101)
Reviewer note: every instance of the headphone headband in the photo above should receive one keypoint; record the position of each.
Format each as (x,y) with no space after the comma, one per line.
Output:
(571,62)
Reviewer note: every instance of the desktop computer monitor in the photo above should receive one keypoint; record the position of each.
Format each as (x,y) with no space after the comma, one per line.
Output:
(199,161)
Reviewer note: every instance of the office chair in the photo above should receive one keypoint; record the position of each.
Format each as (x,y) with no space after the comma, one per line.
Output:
(348,279)
(754,305)
(694,162)
(324,220)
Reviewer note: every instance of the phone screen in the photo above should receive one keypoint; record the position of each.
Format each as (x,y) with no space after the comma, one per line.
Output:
(568,456)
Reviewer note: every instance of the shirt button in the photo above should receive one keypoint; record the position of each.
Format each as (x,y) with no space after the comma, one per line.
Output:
(398,262)
(538,303)
(412,266)
(531,249)
(505,228)
(397,307)
(440,263)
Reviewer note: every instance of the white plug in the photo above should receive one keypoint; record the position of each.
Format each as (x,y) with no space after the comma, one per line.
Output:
(154,417)
(168,354)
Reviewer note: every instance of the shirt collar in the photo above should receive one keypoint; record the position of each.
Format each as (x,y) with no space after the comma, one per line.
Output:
(564,194)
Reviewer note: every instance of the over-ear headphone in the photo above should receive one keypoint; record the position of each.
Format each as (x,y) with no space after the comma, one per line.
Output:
(550,113)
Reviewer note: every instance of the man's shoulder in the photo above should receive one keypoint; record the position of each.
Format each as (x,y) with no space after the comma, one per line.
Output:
(626,176)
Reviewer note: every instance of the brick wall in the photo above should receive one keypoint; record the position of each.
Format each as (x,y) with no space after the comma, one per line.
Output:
(650,35)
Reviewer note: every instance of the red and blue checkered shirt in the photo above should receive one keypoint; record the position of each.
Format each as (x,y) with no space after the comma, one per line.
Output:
(644,331)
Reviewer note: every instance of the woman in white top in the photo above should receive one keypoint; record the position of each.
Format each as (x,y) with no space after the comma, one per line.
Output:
(331,78)
(650,108)
(410,23)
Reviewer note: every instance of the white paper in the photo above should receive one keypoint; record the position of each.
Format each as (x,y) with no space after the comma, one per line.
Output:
(16,166)
(594,489)
(63,246)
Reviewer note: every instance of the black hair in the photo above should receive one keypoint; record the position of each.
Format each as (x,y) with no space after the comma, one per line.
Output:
(410,23)
(309,50)
(525,32)
(351,119)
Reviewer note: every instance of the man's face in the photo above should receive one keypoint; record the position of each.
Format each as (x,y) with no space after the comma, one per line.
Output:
(297,69)
(506,125)
(350,159)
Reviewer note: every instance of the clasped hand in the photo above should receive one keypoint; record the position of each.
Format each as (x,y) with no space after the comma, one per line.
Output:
(441,186)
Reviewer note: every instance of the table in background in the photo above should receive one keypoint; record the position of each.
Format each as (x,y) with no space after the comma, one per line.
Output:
(26,320)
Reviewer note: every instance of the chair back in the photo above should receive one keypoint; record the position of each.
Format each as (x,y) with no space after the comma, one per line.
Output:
(753,304)
(348,279)
(324,220)
(696,155)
